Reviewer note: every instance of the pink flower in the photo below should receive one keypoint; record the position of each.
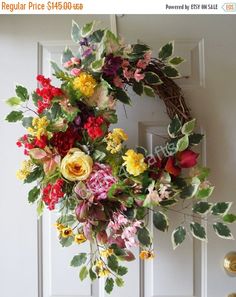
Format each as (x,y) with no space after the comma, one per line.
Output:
(142,63)
(100,180)
(118,221)
(75,71)
(118,82)
(125,64)
(68,64)
(138,76)
(127,74)
(75,60)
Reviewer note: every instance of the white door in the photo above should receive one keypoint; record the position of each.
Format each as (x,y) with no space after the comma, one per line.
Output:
(32,262)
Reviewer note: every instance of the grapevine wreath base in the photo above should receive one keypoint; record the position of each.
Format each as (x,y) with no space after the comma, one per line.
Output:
(81,168)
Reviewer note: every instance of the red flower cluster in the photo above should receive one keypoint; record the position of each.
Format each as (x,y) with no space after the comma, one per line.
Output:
(32,143)
(63,141)
(94,126)
(47,92)
(52,194)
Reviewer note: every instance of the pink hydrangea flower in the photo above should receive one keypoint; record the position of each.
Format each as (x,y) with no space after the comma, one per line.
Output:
(75,71)
(100,180)
(138,76)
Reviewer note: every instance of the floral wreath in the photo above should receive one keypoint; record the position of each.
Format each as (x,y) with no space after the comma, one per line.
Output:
(81,168)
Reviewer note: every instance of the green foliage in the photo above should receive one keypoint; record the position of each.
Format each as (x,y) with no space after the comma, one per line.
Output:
(112,263)
(119,282)
(109,285)
(171,72)
(166,51)
(96,36)
(92,274)
(67,55)
(144,237)
(22,93)
(97,65)
(205,192)
(27,122)
(33,194)
(83,273)
(122,270)
(176,61)
(183,143)
(75,32)
(149,91)
(198,231)
(79,260)
(188,127)
(99,155)
(221,208)
(67,220)
(14,101)
(40,207)
(229,218)
(87,29)
(65,242)
(222,230)
(34,175)
(138,88)
(174,127)
(195,139)
(178,236)
(152,78)
(122,96)
(160,221)
(14,116)
(202,207)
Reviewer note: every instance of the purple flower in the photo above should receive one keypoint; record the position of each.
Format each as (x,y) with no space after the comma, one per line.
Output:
(87,52)
(84,41)
(112,64)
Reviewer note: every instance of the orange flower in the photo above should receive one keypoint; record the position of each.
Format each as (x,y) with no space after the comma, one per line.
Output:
(146,255)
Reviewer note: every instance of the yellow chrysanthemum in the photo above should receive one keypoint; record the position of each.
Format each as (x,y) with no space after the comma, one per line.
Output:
(39,127)
(66,232)
(134,162)
(146,255)
(102,271)
(25,170)
(107,253)
(85,83)
(59,226)
(114,140)
(80,238)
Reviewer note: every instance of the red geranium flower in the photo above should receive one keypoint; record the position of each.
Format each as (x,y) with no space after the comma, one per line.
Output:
(187,158)
(171,167)
(94,126)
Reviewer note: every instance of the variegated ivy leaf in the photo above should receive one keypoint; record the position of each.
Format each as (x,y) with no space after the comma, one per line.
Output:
(171,72)
(14,116)
(149,91)
(22,93)
(222,230)
(178,236)
(83,273)
(221,208)
(188,127)
(55,67)
(174,127)
(14,101)
(166,51)
(152,78)
(202,207)
(198,231)
(195,139)
(190,190)
(205,192)
(75,32)
(144,237)
(229,218)
(176,60)
(183,143)
(97,65)
(109,285)
(87,29)
(67,55)
(160,221)
(79,260)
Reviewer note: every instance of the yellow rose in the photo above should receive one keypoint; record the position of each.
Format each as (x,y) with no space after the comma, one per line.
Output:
(76,165)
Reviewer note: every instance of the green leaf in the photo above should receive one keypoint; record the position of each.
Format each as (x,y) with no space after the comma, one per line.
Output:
(205,193)
(87,29)
(171,72)
(92,274)
(67,220)
(138,88)
(56,68)
(27,122)
(109,285)
(140,48)
(65,242)
(97,36)
(112,263)
(166,51)
(78,260)
(190,190)
(202,207)
(22,93)
(99,155)
(188,127)
(122,270)
(122,96)
(75,32)
(40,208)
(152,78)
(221,208)
(144,236)
(195,139)
(14,116)
(97,65)
(14,101)
(34,175)
(222,230)
(119,282)
(183,143)
(168,202)
(67,55)
(178,236)
(83,273)
(33,194)
(198,231)
(229,218)
(176,60)
(160,221)
(149,91)
(174,127)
